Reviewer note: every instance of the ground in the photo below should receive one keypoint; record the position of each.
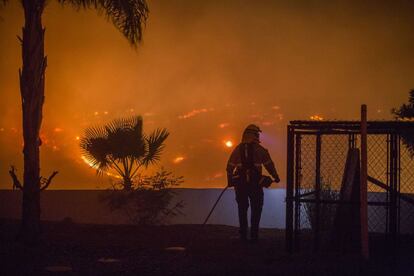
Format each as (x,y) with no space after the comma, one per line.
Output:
(210,250)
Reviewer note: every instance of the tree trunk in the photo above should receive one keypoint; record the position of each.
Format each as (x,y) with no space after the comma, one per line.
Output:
(32,84)
(127,183)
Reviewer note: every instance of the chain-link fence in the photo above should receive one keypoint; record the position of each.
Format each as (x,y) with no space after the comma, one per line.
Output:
(317,160)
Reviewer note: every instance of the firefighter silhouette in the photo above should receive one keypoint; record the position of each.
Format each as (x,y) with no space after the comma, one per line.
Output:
(244,173)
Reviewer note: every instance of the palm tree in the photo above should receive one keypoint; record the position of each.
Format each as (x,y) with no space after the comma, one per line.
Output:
(128,16)
(122,147)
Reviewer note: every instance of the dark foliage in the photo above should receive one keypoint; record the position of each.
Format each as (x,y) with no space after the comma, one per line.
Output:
(406,113)
(326,211)
(150,199)
(122,147)
(128,16)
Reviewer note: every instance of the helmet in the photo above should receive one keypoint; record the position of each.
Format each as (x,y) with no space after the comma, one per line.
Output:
(252,128)
(251,134)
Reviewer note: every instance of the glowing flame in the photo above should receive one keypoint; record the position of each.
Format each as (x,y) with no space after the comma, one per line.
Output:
(217,175)
(316,118)
(405,119)
(223,125)
(178,159)
(195,112)
(90,164)
(57,129)
(229,144)
(268,123)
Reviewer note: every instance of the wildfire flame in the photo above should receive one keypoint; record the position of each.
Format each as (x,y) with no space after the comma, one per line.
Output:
(229,144)
(316,118)
(178,159)
(90,164)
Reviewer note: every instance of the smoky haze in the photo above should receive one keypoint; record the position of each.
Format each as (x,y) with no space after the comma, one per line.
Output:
(204,71)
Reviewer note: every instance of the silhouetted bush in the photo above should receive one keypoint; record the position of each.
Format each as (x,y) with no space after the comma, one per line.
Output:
(326,211)
(149,201)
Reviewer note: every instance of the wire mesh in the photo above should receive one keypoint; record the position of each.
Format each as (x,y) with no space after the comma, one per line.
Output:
(308,162)
(407,190)
(377,147)
(334,149)
(317,219)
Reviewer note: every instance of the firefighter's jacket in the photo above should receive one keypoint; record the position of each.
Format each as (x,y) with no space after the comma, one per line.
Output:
(261,157)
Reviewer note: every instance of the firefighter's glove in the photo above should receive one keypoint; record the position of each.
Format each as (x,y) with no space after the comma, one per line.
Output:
(266,181)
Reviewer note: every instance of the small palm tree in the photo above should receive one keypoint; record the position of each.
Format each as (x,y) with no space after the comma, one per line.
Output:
(122,147)
(128,16)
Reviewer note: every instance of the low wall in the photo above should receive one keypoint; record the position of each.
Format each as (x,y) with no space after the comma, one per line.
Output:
(83,206)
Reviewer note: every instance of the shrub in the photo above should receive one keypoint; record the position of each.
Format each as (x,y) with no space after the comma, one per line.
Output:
(149,201)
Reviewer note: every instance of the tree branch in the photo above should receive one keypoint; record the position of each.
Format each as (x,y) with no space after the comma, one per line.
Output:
(48,181)
(16,182)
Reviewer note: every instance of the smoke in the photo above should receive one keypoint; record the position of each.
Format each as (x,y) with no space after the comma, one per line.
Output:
(205,70)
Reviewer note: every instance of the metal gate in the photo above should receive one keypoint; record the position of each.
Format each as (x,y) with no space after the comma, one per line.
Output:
(316,156)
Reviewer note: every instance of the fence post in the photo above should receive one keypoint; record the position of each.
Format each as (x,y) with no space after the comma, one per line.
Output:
(289,190)
(317,191)
(364,184)
(297,182)
(394,186)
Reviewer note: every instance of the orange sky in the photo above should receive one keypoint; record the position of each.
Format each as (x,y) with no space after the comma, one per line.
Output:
(205,70)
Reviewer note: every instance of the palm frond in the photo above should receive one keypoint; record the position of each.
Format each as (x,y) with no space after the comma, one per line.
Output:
(95,151)
(121,145)
(125,138)
(155,145)
(128,16)
(124,123)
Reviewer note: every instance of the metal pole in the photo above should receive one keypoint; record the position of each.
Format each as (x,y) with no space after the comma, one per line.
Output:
(289,190)
(394,171)
(364,184)
(317,194)
(297,186)
(398,188)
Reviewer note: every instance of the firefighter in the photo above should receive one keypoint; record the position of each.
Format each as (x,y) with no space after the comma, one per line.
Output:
(244,173)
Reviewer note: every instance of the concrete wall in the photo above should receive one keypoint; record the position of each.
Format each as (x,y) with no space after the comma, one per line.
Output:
(83,206)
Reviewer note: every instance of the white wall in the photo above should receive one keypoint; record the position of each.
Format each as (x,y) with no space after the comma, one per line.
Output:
(83,206)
